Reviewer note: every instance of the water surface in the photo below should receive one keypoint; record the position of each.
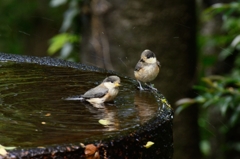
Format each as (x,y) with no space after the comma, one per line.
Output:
(34,112)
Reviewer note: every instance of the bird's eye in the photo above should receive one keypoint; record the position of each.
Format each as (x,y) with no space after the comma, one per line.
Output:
(110,81)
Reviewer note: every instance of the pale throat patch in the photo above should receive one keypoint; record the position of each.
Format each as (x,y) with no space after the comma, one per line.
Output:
(109,85)
(151,60)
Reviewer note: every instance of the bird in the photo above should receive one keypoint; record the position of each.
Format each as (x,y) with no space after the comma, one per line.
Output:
(147,68)
(105,92)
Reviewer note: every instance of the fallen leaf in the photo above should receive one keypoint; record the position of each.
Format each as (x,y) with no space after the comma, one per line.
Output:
(104,122)
(90,150)
(149,144)
(3,152)
(48,114)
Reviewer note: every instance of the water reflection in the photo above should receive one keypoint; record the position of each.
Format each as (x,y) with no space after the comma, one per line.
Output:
(144,102)
(102,112)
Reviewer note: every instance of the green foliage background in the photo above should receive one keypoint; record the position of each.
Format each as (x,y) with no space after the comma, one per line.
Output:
(219,93)
(19,20)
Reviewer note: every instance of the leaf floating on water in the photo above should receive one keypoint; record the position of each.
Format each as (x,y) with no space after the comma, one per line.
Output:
(3,152)
(104,122)
(149,144)
(48,114)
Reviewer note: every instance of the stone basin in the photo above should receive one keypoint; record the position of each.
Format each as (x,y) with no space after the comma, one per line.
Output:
(36,120)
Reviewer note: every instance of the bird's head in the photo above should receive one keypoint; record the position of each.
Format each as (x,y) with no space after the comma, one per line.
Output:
(112,82)
(148,57)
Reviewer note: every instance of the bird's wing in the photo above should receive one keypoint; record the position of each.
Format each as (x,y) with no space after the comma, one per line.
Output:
(96,92)
(138,66)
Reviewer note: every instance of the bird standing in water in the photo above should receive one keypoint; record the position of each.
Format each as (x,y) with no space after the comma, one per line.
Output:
(147,68)
(105,92)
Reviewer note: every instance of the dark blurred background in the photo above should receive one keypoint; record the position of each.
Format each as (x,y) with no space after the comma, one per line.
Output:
(197,43)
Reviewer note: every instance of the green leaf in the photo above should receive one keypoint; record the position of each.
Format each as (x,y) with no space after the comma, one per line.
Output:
(205,147)
(224,104)
(200,99)
(185,101)
(68,16)
(226,52)
(58,41)
(180,109)
(234,118)
(235,41)
(209,102)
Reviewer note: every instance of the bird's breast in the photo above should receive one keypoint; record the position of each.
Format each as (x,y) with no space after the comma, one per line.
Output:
(147,73)
(112,94)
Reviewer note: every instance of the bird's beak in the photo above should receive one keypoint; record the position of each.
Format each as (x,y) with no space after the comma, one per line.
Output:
(117,84)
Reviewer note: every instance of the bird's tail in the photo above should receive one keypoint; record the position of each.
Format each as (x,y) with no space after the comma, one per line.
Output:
(80,98)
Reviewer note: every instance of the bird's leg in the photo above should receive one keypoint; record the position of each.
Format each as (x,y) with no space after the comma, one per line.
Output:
(151,86)
(140,86)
